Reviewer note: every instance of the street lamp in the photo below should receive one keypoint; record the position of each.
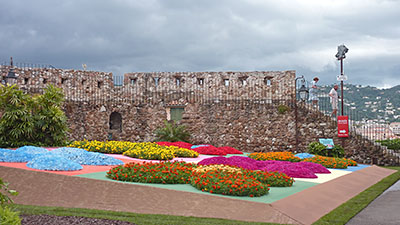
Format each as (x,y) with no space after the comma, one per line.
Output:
(340,55)
(303,94)
(303,91)
(11,78)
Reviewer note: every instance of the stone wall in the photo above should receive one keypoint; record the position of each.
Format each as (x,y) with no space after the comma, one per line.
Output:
(243,114)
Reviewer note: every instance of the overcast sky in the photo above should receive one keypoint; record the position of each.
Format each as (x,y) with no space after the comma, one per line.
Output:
(123,36)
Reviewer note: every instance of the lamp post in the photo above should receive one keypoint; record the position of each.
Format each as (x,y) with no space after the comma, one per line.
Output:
(11,78)
(303,94)
(340,55)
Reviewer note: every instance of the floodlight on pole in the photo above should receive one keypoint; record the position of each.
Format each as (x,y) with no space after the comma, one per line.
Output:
(340,55)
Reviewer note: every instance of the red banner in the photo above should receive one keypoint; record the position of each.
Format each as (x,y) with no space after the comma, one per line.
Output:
(343,126)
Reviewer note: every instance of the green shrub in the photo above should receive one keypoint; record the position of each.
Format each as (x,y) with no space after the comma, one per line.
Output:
(337,151)
(282,109)
(317,148)
(8,216)
(172,132)
(32,120)
(393,144)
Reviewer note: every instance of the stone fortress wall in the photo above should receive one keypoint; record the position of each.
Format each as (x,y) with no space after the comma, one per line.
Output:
(239,109)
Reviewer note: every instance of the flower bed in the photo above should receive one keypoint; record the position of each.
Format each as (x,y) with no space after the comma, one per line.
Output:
(84,157)
(230,150)
(110,147)
(209,150)
(163,173)
(280,156)
(239,161)
(272,178)
(53,163)
(148,150)
(60,159)
(292,169)
(179,144)
(140,150)
(330,162)
(221,181)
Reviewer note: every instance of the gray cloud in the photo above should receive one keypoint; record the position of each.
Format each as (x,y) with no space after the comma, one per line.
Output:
(186,35)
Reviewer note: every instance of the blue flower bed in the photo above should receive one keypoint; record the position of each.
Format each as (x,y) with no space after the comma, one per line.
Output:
(84,157)
(53,162)
(59,159)
(7,155)
(304,155)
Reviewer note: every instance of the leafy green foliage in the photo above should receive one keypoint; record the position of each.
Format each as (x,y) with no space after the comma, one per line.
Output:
(393,144)
(337,151)
(4,198)
(172,132)
(282,109)
(50,121)
(8,216)
(317,148)
(32,120)
(17,122)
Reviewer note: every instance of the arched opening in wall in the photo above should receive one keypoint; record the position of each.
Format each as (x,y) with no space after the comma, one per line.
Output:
(268,81)
(116,121)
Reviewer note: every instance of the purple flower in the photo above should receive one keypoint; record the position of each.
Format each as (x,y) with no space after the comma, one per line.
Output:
(239,161)
(315,167)
(292,170)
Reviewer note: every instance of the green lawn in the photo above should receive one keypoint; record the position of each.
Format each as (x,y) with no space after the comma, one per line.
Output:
(340,215)
(127,216)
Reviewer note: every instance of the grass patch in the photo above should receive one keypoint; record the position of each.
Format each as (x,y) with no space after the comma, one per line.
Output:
(127,216)
(346,211)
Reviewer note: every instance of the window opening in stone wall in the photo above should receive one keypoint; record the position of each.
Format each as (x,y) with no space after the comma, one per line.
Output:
(156,79)
(243,81)
(133,81)
(176,114)
(178,81)
(26,80)
(63,80)
(44,81)
(115,121)
(99,84)
(200,81)
(267,81)
(83,82)
(226,82)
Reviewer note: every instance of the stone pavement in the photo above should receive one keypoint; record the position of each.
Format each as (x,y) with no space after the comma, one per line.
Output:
(384,210)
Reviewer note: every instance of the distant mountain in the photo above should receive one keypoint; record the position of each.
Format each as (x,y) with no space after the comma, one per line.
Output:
(370,102)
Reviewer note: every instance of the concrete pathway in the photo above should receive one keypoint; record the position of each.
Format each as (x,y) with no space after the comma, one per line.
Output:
(383,210)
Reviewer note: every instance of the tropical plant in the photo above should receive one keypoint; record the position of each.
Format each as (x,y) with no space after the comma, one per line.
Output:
(50,121)
(4,198)
(32,120)
(172,132)
(17,123)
